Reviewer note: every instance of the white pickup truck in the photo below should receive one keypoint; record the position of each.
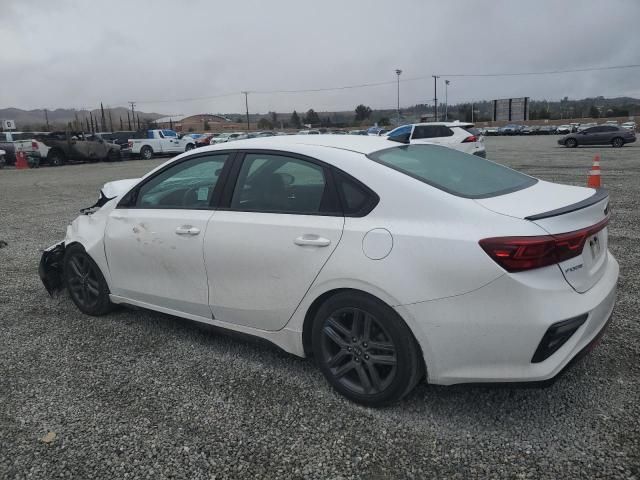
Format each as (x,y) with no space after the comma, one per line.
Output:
(160,142)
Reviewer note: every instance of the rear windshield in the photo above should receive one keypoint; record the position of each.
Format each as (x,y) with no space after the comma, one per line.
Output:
(458,173)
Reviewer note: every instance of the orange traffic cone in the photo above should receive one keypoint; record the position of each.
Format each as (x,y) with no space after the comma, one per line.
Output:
(21,161)
(593,180)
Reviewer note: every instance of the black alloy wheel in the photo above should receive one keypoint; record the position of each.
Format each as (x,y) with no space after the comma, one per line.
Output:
(365,350)
(617,142)
(85,282)
(358,351)
(571,143)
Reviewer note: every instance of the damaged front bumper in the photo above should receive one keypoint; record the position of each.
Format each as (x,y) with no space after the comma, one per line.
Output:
(51,266)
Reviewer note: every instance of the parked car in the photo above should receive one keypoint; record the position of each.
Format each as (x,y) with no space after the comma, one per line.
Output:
(564,129)
(56,148)
(388,263)
(458,135)
(599,135)
(511,129)
(491,131)
(629,126)
(204,140)
(159,142)
(7,143)
(309,132)
(547,130)
(228,137)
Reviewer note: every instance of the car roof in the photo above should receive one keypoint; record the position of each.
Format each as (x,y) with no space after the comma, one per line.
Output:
(356,143)
(446,124)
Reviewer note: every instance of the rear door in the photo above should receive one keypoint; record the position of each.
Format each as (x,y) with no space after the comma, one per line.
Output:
(278,225)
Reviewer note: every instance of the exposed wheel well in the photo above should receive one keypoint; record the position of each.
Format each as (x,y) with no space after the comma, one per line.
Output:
(307,327)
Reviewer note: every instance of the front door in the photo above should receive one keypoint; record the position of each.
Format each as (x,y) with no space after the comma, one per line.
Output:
(154,243)
(265,249)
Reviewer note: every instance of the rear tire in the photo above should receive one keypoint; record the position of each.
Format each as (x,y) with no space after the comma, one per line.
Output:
(146,152)
(617,142)
(571,143)
(190,146)
(365,350)
(85,283)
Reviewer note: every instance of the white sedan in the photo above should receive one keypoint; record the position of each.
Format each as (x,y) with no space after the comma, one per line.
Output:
(386,262)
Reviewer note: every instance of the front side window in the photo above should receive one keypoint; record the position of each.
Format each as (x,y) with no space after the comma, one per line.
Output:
(187,185)
(454,172)
(275,183)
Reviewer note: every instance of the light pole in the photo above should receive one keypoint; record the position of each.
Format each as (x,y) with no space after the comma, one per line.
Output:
(398,72)
(435,96)
(446,100)
(246,104)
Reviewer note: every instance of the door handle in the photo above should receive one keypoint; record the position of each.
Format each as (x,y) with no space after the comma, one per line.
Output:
(312,240)
(187,230)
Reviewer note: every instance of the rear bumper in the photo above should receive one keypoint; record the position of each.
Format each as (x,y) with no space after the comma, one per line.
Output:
(50,268)
(492,334)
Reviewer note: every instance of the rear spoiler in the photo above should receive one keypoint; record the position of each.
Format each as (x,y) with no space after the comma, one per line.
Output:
(598,196)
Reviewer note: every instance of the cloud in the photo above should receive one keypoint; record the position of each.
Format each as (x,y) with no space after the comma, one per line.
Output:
(76,54)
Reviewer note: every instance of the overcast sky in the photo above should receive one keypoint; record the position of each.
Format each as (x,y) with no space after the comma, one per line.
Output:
(158,53)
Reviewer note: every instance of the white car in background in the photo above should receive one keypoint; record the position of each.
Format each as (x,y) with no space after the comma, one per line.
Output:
(457,135)
(387,262)
(629,126)
(228,137)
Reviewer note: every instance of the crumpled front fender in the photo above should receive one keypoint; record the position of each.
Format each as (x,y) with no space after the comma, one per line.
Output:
(51,268)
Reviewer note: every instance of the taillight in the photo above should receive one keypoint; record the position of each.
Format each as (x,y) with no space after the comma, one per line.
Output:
(516,254)
(130,143)
(470,139)
(34,145)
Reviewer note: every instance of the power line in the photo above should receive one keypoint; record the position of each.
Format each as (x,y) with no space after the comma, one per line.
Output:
(548,72)
(390,82)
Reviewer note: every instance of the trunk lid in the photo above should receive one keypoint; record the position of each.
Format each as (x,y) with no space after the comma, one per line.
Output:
(561,209)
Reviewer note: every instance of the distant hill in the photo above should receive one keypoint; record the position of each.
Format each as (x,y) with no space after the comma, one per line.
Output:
(60,117)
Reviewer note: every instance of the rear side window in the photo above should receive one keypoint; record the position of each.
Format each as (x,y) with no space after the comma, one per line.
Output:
(357,200)
(454,172)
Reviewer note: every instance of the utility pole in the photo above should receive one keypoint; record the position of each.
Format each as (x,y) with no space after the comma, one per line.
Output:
(246,104)
(398,72)
(46,118)
(446,100)
(435,96)
(133,114)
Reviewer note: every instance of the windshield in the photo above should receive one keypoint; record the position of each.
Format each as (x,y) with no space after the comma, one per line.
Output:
(454,172)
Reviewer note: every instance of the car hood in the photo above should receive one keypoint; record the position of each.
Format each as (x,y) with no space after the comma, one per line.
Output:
(118,187)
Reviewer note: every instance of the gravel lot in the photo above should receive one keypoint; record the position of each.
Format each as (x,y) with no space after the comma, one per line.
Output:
(139,394)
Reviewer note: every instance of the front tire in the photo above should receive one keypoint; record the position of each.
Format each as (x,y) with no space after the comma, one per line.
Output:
(85,283)
(190,146)
(571,143)
(365,350)
(617,142)
(55,158)
(146,152)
